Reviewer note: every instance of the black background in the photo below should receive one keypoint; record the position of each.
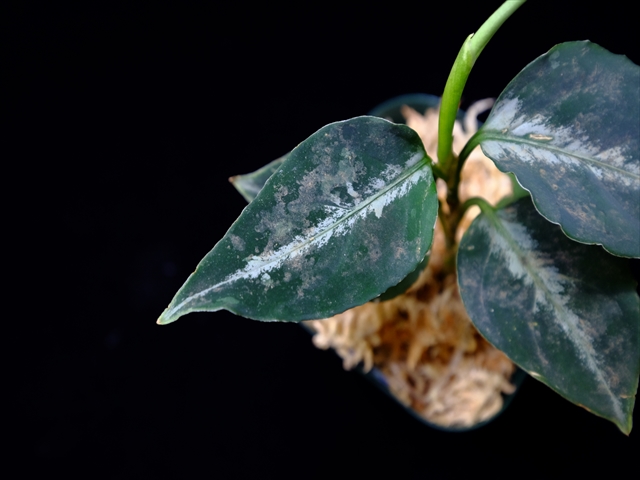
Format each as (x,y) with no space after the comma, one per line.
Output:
(127,121)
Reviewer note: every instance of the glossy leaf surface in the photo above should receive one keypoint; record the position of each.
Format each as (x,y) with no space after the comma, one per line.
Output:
(250,184)
(348,214)
(565,312)
(568,127)
(406,283)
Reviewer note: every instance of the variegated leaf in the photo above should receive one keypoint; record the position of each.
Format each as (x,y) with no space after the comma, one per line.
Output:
(348,214)
(568,126)
(565,312)
(250,184)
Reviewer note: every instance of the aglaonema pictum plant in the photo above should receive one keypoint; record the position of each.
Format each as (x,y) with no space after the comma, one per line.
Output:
(545,276)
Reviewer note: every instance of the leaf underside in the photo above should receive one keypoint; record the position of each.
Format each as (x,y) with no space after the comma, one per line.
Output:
(250,184)
(349,213)
(567,126)
(565,312)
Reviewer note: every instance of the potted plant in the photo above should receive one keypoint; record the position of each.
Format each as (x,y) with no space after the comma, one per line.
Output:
(543,274)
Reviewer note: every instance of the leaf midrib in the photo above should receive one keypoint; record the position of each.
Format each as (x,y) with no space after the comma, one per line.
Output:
(497,136)
(539,283)
(423,162)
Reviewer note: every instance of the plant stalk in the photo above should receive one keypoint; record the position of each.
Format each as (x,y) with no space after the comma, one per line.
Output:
(454,181)
(469,53)
(480,202)
(450,224)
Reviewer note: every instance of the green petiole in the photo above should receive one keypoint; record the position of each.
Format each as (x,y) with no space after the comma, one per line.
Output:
(469,53)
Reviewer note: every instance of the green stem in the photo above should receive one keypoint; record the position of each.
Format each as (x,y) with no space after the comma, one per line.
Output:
(449,233)
(449,225)
(436,171)
(473,142)
(469,53)
(453,220)
(480,202)
(454,181)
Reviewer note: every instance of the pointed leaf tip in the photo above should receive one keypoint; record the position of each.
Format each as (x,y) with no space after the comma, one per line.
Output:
(160,320)
(348,214)
(165,319)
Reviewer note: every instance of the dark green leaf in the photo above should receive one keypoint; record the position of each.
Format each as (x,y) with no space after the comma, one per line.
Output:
(348,214)
(565,312)
(250,184)
(568,126)
(405,283)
